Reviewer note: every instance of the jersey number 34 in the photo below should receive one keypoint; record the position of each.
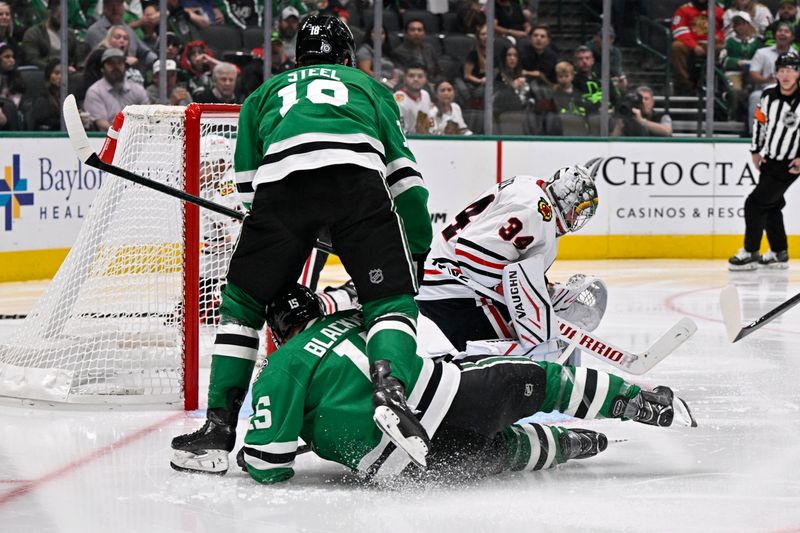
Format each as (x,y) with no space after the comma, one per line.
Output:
(508,232)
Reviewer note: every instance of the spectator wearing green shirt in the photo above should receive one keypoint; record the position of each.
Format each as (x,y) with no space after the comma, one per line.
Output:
(242,13)
(739,48)
(787,12)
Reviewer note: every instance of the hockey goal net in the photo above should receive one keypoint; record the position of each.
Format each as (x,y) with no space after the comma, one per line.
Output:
(135,301)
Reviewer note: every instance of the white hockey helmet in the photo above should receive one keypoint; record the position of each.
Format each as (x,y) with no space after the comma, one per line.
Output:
(215,148)
(574,196)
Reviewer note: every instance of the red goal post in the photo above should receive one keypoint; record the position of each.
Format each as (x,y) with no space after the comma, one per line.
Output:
(133,307)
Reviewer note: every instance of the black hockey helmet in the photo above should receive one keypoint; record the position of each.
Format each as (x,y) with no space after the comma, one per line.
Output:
(787,61)
(324,39)
(290,309)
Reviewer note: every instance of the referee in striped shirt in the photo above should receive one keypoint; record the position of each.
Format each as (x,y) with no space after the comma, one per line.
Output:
(776,153)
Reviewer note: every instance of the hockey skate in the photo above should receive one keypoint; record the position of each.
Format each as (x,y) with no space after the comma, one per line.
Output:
(579,443)
(659,407)
(206,450)
(394,417)
(744,260)
(775,260)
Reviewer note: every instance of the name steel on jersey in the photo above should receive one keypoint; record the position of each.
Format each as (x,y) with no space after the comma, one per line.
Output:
(313,72)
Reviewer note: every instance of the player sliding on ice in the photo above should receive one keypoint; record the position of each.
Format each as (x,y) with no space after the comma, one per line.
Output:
(505,241)
(317,387)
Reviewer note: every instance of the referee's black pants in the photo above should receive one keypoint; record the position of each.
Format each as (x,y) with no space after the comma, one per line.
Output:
(762,209)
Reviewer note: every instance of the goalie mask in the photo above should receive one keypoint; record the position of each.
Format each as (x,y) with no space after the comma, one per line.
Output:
(215,156)
(574,196)
(324,39)
(295,307)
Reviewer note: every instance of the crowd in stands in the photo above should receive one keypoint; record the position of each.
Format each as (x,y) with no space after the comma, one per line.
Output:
(434,63)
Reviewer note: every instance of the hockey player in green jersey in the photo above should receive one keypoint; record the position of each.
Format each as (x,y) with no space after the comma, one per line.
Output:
(322,146)
(317,387)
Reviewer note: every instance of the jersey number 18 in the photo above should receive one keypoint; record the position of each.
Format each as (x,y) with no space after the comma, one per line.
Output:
(319,91)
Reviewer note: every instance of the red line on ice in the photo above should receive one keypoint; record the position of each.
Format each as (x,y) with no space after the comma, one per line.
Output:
(671,305)
(30,485)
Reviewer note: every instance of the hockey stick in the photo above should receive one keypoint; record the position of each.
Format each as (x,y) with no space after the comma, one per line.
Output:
(732,313)
(634,363)
(80,143)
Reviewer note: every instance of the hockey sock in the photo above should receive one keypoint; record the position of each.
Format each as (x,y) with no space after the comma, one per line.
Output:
(532,446)
(583,392)
(235,346)
(227,373)
(392,335)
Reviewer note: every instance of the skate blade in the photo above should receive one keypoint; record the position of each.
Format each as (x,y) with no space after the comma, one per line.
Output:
(742,268)
(209,462)
(682,415)
(776,266)
(388,422)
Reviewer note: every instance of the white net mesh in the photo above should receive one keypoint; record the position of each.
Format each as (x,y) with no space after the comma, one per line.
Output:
(109,328)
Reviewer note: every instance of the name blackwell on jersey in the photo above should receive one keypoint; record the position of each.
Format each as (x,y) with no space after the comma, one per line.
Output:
(333,331)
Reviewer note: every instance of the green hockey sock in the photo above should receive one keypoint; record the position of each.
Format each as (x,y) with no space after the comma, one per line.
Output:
(236,344)
(583,392)
(391,335)
(227,373)
(532,446)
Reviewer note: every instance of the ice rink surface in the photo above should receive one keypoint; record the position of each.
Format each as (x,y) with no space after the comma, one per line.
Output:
(108,471)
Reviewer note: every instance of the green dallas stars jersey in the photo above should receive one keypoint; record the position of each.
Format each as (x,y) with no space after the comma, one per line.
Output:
(324,115)
(317,387)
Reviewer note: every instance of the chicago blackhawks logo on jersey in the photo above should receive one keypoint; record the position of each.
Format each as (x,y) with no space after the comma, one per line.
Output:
(545,210)
(227,188)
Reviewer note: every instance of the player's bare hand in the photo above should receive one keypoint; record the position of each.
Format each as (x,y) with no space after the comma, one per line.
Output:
(757,160)
(794,166)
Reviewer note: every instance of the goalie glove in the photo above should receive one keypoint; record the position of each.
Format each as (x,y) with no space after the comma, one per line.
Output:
(581,301)
(341,298)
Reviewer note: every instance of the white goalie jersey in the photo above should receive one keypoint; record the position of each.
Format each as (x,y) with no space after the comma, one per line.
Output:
(219,232)
(504,241)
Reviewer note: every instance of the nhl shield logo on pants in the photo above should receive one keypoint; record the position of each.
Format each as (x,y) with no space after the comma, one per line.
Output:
(376,276)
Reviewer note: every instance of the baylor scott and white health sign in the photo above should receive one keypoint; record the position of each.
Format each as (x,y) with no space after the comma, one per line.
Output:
(45,193)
